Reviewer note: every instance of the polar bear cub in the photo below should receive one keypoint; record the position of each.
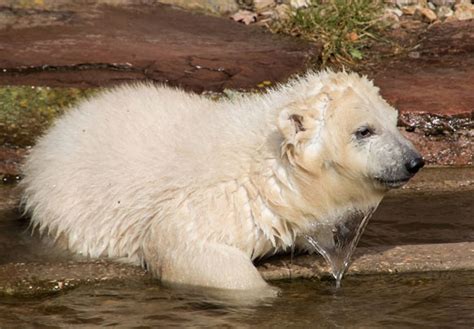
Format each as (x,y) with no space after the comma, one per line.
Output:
(196,189)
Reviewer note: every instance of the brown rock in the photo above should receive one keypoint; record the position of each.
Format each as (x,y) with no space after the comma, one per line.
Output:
(426,14)
(409,10)
(377,260)
(432,89)
(245,16)
(464,11)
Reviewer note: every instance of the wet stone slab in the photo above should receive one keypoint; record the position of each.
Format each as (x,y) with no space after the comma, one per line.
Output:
(379,260)
(33,279)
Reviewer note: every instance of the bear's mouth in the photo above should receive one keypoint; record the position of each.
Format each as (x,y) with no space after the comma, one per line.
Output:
(392,183)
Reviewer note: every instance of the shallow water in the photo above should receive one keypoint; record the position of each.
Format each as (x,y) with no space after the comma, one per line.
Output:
(422,218)
(442,300)
(438,300)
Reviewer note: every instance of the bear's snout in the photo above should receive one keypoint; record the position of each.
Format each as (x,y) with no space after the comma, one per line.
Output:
(399,175)
(414,165)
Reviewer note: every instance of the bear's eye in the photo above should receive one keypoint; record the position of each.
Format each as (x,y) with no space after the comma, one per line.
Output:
(364,132)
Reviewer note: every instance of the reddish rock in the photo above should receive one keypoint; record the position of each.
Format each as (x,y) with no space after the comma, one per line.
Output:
(440,79)
(426,14)
(434,92)
(429,89)
(110,45)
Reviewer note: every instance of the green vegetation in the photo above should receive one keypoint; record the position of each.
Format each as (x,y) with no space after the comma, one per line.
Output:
(26,112)
(343,27)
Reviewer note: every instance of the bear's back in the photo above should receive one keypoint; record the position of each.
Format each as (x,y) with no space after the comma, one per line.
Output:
(98,175)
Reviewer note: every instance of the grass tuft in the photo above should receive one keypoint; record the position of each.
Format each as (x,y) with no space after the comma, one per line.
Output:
(343,27)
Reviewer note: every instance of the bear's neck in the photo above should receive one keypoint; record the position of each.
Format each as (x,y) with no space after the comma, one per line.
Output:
(284,209)
(272,199)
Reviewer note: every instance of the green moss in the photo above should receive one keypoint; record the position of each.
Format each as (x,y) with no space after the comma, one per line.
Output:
(343,27)
(26,112)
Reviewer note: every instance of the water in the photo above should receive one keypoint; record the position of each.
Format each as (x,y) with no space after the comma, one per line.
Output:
(404,218)
(442,300)
(337,242)
(422,218)
(437,300)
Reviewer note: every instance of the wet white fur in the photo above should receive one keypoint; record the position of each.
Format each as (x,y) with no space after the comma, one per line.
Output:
(195,188)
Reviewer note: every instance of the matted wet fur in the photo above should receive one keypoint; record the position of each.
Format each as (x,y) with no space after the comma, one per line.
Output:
(196,189)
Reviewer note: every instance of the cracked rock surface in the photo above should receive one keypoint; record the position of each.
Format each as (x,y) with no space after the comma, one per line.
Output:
(104,45)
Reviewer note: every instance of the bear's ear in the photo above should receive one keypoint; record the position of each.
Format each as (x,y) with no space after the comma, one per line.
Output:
(300,122)
(293,126)
(290,124)
(303,118)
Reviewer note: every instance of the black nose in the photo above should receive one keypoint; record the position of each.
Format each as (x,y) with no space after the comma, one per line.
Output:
(414,165)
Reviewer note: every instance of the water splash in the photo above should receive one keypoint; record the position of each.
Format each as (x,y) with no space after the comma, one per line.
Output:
(337,241)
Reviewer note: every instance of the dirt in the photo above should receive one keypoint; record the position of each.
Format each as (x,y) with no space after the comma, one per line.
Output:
(10,161)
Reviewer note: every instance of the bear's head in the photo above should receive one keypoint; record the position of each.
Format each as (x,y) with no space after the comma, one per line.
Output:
(343,151)
(345,134)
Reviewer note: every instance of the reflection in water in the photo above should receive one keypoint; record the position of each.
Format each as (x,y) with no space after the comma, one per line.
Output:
(18,244)
(338,241)
(438,300)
